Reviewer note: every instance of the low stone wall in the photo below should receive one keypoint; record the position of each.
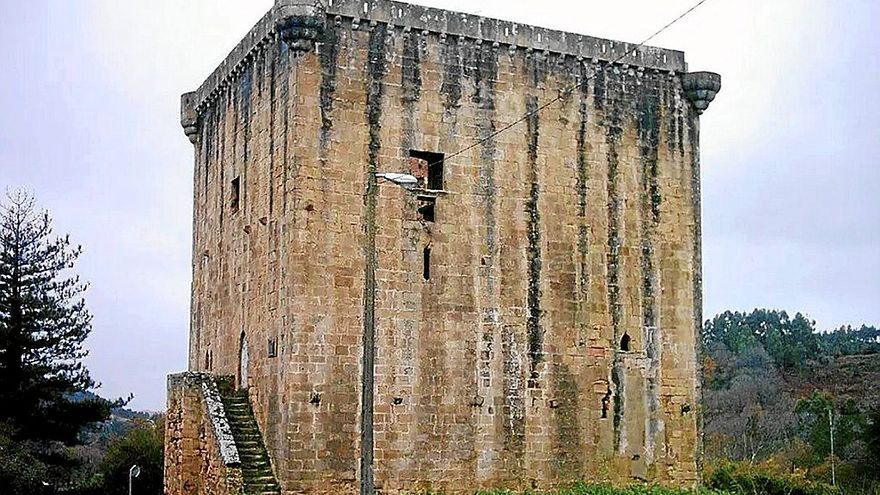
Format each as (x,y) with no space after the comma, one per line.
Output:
(200,453)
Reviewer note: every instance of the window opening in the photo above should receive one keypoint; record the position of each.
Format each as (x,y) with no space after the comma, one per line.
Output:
(235,194)
(426,263)
(426,208)
(624,342)
(434,172)
(242,362)
(273,348)
(606,401)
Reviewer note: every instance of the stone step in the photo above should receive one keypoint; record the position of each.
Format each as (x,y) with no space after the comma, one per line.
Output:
(261,487)
(262,491)
(259,475)
(248,434)
(252,455)
(258,487)
(256,466)
(252,435)
(264,479)
(250,449)
(244,427)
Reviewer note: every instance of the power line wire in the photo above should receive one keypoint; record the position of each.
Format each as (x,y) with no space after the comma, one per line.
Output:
(565,92)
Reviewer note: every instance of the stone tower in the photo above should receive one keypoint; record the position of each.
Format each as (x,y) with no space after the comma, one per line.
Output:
(524,314)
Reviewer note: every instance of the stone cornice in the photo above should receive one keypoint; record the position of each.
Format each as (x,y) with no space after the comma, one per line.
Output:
(507,33)
(260,34)
(292,16)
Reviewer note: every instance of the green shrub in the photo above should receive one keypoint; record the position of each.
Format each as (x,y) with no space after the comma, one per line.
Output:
(740,478)
(592,489)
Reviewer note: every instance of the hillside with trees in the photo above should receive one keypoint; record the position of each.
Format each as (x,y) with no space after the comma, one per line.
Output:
(775,389)
(56,435)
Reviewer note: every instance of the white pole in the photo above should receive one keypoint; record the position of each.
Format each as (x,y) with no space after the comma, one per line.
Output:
(133,472)
(831,433)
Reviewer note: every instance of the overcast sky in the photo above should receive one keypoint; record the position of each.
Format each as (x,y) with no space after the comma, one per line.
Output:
(89,99)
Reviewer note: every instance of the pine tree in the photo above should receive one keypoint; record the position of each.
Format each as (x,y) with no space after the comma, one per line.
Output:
(43,324)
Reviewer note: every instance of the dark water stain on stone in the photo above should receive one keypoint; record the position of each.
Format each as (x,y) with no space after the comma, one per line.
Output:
(246,86)
(618,379)
(485,73)
(614,132)
(410,70)
(377,68)
(328,54)
(376,71)
(452,72)
(485,76)
(568,455)
(283,56)
(669,107)
(536,68)
(533,219)
(210,136)
(599,81)
(648,124)
(514,410)
(411,86)
(693,138)
(272,84)
(582,180)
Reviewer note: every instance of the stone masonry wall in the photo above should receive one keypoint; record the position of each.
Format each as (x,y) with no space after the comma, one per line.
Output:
(198,461)
(556,337)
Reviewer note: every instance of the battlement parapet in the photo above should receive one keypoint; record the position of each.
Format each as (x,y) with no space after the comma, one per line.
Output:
(299,23)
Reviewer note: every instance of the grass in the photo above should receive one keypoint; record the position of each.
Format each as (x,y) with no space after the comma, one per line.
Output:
(593,489)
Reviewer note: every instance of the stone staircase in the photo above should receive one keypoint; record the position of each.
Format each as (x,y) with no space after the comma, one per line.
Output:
(255,466)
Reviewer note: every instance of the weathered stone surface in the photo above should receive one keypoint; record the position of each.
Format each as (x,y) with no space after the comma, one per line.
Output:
(701,88)
(200,454)
(551,334)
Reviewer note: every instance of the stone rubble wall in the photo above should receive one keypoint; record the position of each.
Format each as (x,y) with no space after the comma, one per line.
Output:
(200,454)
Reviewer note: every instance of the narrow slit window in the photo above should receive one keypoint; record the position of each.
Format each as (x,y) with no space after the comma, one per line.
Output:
(235,194)
(435,167)
(606,402)
(426,263)
(426,208)
(273,348)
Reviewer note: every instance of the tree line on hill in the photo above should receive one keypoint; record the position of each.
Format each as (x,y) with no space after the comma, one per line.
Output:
(55,436)
(775,390)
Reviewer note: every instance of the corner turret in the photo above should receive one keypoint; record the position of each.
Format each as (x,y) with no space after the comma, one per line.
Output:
(701,88)
(299,23)
(189,118)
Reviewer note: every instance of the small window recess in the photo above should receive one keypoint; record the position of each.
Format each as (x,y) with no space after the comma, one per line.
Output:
(606,402)
(235,194)
(624,342)
(426,263)
(273,347)
(426,207)
(432,178)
